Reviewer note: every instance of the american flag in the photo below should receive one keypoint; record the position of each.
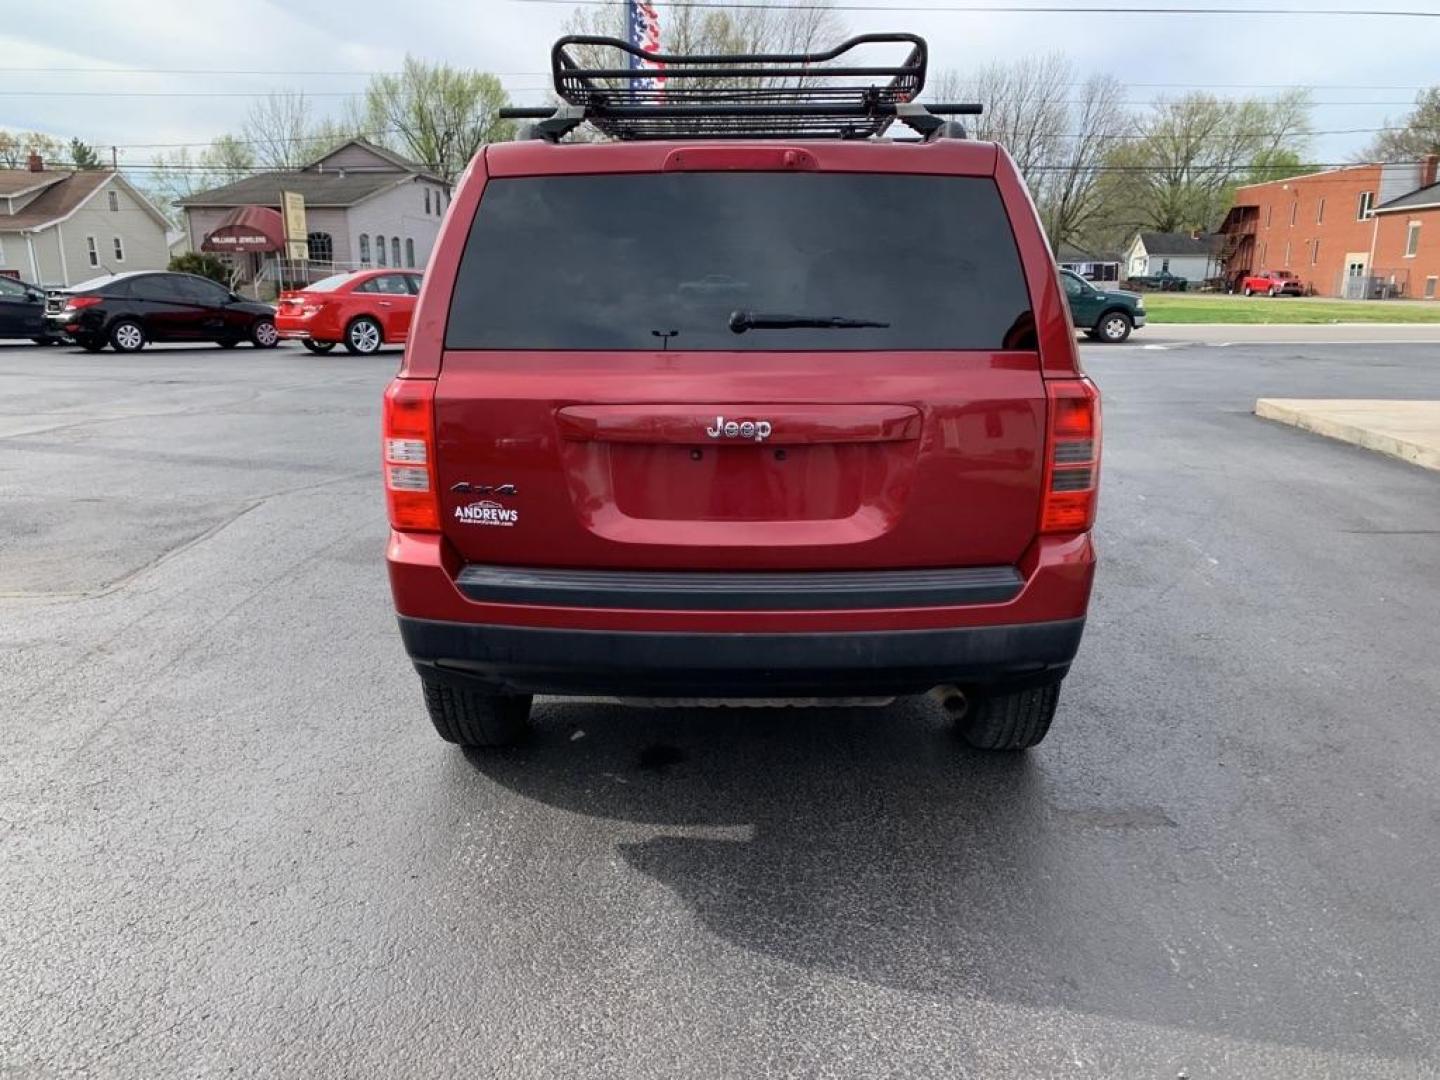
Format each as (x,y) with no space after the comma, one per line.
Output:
(645,36)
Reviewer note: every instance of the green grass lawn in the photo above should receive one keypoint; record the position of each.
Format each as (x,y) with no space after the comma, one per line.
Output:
(1212,308)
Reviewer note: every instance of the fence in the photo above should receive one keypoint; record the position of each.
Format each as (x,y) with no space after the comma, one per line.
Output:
(1376,285)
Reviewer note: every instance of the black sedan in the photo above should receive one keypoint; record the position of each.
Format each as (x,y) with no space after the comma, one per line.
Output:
(22,312)
(129,311)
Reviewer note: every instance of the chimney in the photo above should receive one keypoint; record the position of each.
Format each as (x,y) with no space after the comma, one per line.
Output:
(35,163)
(1428,169)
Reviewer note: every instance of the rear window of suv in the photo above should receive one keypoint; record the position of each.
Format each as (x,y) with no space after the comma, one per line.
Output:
(618,261)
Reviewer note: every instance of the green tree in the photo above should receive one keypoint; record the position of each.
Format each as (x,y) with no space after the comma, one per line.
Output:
(436,114)
(204,264)
(1415,136)
(83,155)
(1180,169)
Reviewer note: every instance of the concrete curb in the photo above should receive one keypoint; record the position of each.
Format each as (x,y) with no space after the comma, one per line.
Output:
(1409,430)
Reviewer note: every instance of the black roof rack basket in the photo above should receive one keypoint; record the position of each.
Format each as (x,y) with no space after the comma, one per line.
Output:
(775,95)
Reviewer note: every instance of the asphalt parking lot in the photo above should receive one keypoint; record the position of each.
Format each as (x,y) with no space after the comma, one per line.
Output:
(234,846)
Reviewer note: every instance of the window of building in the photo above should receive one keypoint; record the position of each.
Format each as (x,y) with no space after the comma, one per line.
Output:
(365,249)
(1263,245)
(1294,210)
(322,247)
(427,200)
(92,253)
(1164,266)
(380,250)
(1320,212)
(1412,240)
(1314,252)
(395,251)
(1367,202)
(409,252)
(114,199)
(119,250)
(1430,283)
(2,250)
(1287,252)
(1269,214)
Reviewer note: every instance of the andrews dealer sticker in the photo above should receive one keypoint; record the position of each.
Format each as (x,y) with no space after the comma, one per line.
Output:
(486,512)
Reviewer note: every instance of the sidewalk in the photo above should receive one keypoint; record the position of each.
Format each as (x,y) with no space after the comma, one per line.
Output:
(1409,430)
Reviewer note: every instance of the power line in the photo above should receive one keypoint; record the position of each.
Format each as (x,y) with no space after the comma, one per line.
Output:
(516,89)
(1013,9)
(546,75)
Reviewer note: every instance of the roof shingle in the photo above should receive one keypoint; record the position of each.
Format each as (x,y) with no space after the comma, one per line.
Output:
(319,189)
(1160,243)
(56,201)
(1425,196)
(14,181)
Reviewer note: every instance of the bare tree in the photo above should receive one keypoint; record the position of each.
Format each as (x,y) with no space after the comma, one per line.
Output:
(1070,191)
(17,146)
(1026,106)
(279,130)
(711,31)
(1417,135)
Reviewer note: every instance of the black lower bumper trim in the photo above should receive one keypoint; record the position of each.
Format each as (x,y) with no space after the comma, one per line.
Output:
(543,660)
(740,590)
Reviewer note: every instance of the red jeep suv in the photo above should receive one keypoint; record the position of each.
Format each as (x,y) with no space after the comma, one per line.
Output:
(751,404)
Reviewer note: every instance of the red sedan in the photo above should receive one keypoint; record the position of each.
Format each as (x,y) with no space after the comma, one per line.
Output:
(362,310)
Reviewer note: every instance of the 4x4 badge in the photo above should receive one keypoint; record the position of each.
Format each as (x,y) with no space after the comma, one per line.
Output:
(759,430)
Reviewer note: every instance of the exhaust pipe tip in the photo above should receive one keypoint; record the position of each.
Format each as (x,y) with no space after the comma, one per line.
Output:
(952,700)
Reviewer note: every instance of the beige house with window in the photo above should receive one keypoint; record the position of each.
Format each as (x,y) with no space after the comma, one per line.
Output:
(364,206)
(59,227)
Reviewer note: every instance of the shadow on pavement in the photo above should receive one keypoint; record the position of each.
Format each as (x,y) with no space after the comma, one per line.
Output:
(869,843)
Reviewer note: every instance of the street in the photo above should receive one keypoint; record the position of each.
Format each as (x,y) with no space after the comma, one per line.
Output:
(234,845)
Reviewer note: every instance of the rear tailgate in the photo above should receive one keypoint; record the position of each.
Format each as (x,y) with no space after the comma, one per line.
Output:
(595,409)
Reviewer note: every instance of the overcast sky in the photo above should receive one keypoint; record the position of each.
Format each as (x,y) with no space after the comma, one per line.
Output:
(1363,69)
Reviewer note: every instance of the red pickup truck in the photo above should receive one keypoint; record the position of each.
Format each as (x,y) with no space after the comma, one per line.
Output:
(1271,283)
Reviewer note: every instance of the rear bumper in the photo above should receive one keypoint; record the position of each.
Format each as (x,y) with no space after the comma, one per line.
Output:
(805,635)
(537,660)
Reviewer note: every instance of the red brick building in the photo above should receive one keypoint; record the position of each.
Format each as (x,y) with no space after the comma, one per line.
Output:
(1344,232)
(1410,225)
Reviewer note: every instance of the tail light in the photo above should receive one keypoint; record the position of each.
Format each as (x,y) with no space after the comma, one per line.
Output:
(409,456)
(75,303)
(1072,456)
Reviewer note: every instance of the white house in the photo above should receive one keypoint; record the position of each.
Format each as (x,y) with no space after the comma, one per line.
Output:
(59,227)
(1185,255)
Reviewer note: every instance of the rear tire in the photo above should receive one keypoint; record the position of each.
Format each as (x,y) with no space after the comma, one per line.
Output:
(90,344)
(1114,327)
(1013,721)
(1249,291)
(474,718)
(227,343)
(263,334)
(127,336)
(363,337)
(319,347)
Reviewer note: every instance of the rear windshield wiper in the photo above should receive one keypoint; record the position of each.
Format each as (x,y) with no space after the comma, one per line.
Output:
(740,321)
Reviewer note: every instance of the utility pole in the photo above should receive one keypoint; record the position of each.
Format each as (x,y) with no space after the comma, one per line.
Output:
(115,158)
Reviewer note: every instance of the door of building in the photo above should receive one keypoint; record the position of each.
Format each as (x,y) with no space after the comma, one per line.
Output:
(1356,283)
